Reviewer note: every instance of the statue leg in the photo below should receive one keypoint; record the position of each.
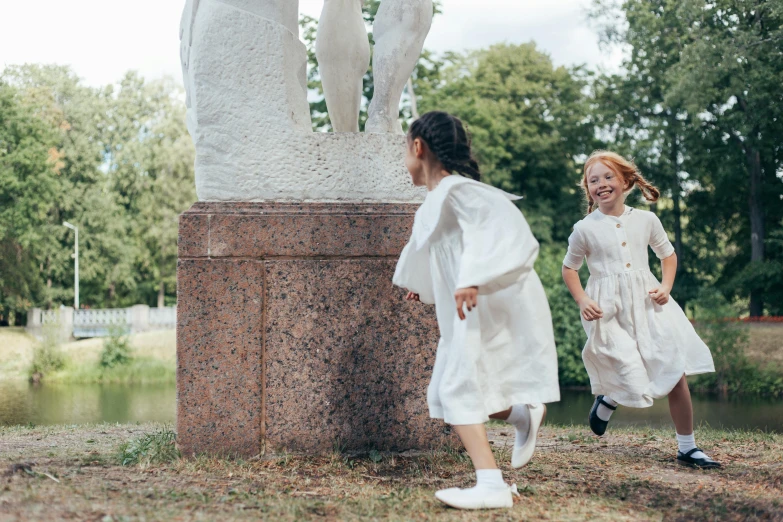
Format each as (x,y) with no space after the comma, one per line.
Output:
(401,27)
(343,52)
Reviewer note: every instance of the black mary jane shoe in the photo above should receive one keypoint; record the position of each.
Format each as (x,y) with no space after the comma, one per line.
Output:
(596,424)
(686,459)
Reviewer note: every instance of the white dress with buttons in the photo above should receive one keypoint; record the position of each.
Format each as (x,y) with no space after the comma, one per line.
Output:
(469,234)
(638,350)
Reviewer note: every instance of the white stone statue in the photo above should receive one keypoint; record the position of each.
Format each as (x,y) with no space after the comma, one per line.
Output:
(343,53)
(244,70)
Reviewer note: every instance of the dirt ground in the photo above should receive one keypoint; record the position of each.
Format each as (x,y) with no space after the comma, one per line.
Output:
(74,474)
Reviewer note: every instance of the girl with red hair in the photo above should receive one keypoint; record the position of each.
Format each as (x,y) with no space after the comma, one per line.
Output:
(640,346)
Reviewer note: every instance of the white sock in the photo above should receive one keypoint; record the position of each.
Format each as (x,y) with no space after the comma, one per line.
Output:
(685,443)
(520,419)
(490,479)
(603,412)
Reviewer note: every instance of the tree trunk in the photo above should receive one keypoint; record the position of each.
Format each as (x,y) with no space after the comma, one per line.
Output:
(674,153)
(161,294)
(753,156)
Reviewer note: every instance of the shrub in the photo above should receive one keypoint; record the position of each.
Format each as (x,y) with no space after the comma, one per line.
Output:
(47,356)
(116,350)
(569,335)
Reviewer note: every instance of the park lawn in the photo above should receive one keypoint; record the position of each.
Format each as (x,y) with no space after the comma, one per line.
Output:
(766,343)
(155,352)
(629,474)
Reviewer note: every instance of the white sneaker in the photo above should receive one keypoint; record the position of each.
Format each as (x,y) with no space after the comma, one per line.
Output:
(523,454)
(478,497)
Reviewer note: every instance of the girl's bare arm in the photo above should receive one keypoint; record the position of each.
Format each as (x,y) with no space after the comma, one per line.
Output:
(661,294)
(587,307)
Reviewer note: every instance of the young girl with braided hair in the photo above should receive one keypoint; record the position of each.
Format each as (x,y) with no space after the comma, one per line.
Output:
(640,346)
(471,253)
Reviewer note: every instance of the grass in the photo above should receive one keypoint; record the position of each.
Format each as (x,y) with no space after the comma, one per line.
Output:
(766,343)
(158,447)
(628,474)
(154,358)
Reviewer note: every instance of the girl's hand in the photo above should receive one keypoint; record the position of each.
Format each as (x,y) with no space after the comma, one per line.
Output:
(590,309)
(660,295)
(412,297)
(466,296)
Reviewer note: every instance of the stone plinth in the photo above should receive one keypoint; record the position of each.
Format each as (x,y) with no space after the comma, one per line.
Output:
(290,335)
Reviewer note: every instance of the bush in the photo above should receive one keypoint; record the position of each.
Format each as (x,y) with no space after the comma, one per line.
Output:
(116,350)
(569,335)
(47,356)
(159,447)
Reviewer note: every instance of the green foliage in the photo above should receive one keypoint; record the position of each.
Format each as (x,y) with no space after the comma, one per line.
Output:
(529,122)
(115,161)
(569,334)
(47,357)
(698,104)
(29,186)
(116,350)
(159,447)
(139,370)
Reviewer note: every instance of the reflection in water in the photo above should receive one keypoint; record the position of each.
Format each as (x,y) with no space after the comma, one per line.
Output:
(22,403)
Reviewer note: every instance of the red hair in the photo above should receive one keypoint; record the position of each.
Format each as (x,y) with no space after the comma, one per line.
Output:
(627,170)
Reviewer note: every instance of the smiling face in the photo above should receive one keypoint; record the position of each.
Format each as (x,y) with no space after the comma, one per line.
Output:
(605,186)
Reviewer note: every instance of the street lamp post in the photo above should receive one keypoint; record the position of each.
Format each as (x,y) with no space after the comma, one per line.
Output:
(75,265)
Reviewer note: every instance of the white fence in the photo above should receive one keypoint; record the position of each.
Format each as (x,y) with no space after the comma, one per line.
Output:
(66,322)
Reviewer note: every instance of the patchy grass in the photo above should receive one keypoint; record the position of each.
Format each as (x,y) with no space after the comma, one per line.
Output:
(138,370)
(766,343)
(16,351)
(626,475)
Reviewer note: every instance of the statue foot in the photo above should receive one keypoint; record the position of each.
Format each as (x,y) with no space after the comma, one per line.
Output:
(382,124)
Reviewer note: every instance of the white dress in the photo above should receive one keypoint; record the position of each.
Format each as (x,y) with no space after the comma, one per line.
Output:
(638,350)
(469,234)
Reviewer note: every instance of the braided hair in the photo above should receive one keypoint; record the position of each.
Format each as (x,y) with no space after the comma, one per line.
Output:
(627,170)
(447,138)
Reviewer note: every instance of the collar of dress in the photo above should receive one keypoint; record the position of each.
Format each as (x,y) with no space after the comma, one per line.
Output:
(601,215)
(428,214)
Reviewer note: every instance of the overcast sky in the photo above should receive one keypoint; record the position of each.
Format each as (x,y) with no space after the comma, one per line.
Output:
(102,39)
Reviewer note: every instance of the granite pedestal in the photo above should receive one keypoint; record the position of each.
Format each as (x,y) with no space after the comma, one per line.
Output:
(290,335)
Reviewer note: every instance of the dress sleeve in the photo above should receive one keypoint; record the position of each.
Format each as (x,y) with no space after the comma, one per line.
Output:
(413,273)
(659,241)
(498,248)
(577,250)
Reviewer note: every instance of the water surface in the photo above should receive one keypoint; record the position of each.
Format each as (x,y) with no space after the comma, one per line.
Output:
(23,403)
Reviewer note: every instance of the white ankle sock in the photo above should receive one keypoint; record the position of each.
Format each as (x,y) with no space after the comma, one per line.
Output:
(685,443)
(490,478)
(520,419)
(603,412)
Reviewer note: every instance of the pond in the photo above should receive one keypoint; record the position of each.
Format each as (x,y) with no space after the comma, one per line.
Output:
(23,403)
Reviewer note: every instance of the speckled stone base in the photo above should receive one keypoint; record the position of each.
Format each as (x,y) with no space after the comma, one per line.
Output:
(290,335)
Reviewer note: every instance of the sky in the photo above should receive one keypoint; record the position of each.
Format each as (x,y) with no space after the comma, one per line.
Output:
(103,39)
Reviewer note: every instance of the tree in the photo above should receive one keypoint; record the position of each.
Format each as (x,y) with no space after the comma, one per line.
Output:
(698,104)
(124,166)
(633,111)
(730,76)
(529,122)
(29,170)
